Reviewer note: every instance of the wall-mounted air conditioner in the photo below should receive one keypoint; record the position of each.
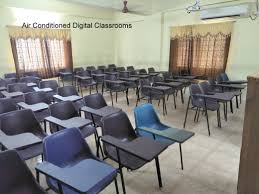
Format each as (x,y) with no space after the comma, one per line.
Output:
(242,11)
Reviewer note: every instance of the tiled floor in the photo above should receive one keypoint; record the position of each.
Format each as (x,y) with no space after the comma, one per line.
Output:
(210,163)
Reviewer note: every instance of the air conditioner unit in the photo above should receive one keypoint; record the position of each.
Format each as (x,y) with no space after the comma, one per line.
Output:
(242,11)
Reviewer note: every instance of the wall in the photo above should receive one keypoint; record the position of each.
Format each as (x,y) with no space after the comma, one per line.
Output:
(152,38)
(89,46)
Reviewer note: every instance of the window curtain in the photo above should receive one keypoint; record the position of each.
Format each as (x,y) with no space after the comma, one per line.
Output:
(42,50)
(200,49)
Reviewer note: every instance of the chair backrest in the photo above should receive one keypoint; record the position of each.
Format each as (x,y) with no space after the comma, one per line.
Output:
(143,71)
(205,87)
(118,125)
(32,73)
(95,101)
(124,74)
(151,70)
(20,121)
(167,75)
(158,79)
(53,84)
(211,81)
(90,68)
(36,97)
(120,69)
(195,89)
(18,87)
(67,91)
(130,68)
(110,77)
(10,75)
(7,105)
(145,115)
(78,69)
(111,66)
(65,70)
(145,82)
(98,71)
(16,176)
(65,147)
(29,79)
(63,110)
(102,67)
(83,73)
(3,83)
(224,77)
(219,79)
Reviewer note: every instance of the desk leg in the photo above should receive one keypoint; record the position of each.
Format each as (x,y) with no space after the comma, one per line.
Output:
(60,188)
(45,125)
(182,96)
(158,172)
(237,102)
(38,176)
(181,155)
(207,116)
(121,172)
(231,106)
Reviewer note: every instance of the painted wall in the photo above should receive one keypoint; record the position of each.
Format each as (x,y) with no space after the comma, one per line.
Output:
(89,46)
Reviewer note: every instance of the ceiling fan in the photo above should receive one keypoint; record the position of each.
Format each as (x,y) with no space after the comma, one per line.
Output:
(126,9)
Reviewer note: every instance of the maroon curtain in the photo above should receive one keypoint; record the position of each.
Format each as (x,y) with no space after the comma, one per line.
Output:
(46,56)
(200,55)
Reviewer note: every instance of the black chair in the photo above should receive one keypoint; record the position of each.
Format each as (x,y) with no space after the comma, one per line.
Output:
(130,68)
(167,76)
(90,69)
(7,105)
(17,177)
(119,138)
(33,98)
(149,93)
(65,75)
(172,91)
(3,86)
(18,87)
(151,70)
(64,111)
(70,91)
(99,78)
(114,85)
(52,84)
(77,70)
(208,88)
(143,71)
(10,75)
(29,79)
(32,74)
(95,101)
(23,121)
(101,67)
(87,83)
(120,69)
(199,103)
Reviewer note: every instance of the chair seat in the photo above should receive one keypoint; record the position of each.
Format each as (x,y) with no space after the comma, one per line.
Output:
(30,152)
(211,104)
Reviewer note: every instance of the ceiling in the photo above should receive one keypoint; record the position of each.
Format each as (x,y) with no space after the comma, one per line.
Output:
(141,6)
